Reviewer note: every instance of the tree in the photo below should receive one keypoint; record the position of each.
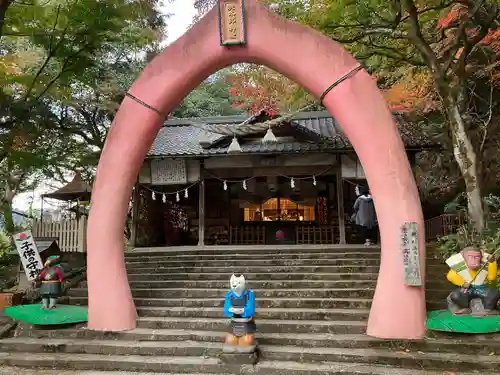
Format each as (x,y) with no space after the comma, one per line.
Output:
(409,35)
(63,76)
(4,6)
(211,98)
(255,88)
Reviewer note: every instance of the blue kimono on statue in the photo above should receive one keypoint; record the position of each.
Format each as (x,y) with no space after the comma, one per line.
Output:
(239,306)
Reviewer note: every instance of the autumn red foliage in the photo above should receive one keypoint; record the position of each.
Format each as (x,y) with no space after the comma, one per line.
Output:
(255,88)
(459,14)
(415,91)
(253,98)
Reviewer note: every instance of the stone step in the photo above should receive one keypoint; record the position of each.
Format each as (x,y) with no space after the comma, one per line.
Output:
(351,303)
(264,326)
(269,259)
(6,370)
(260,293)
(253,262)
(263,368)
(104,362)
(269,255)
(294,303)
(345,268)
(483,345)
(361,292)
(250,250)
(134,275)
(417,360)
(274,284)
(242,268)
(182,364)
(161,263)
(276,313)
(145,282)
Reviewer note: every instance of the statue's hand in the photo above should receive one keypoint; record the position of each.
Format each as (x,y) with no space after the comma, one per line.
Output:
(492,259)
(236,310)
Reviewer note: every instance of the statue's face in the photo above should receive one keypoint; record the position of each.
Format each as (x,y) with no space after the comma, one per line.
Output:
(473,259)
(238,285)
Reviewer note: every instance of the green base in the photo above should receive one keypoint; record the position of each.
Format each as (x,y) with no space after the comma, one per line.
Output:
(445,321)
(62,314)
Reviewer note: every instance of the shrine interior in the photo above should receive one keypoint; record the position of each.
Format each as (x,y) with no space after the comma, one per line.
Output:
(194,189)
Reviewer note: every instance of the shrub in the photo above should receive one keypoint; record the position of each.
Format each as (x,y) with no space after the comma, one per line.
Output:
(467,235)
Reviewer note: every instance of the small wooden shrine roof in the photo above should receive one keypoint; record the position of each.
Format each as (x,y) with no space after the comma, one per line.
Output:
(77,189)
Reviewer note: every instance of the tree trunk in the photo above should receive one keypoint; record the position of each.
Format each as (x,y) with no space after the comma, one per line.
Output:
(467,161)
(4,5)
(7,210)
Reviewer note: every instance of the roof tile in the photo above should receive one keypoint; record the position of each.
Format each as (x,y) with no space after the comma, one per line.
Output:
(180,138)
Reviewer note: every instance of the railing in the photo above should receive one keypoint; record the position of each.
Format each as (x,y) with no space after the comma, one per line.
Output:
(315,235)
(71,234)
(247,235)
(443,225)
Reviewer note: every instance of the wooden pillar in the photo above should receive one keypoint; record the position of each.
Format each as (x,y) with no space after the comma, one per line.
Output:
(340,205)
(201,206)
(135,214)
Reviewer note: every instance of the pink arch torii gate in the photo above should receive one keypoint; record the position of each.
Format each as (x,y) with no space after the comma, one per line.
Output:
(315,62)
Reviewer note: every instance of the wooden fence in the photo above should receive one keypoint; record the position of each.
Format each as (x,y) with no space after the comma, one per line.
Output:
(443,225)
(251,235)
(70,234)
(315,235)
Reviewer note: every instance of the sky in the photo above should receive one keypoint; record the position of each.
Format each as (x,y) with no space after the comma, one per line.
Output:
(181,15)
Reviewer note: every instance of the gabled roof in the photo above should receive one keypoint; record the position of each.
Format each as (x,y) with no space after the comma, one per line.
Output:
(319,131)
(77,189)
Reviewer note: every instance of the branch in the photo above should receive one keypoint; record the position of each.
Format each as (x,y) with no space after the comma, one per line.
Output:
(469,44)
(49,56)
(462,39)
(487,121)
(367,32)
(64,69)
(392,53)
(4,5)
(417,36)
(442,6)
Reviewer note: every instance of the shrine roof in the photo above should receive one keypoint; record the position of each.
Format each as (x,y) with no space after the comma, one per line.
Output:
(320,133)
(76,189)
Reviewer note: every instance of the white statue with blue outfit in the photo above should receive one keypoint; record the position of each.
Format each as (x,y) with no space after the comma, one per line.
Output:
(239,307)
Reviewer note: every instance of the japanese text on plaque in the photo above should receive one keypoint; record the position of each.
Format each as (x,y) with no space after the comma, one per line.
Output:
(232,21)
(411,259)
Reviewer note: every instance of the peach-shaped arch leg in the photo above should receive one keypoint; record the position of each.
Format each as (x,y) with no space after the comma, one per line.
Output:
(315,62)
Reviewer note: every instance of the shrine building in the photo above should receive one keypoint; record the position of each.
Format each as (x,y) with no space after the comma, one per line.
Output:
(196,189)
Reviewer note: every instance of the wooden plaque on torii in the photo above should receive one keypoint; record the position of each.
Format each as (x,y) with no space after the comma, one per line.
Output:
(232,22)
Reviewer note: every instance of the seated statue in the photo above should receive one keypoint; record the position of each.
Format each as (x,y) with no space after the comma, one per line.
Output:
(239,307)
(51,278)
(475,281)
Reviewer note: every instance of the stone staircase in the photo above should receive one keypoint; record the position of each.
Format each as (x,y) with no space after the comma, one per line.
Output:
(312,307)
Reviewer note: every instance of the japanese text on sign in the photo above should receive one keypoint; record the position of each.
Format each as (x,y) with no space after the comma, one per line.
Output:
(411,258)
(28,252)
(232,21)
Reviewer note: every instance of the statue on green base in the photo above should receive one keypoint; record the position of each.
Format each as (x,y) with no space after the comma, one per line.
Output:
(50,280)
(474,273)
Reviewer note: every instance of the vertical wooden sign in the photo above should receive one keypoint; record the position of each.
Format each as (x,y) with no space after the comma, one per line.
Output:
(411,259)
(232,22)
